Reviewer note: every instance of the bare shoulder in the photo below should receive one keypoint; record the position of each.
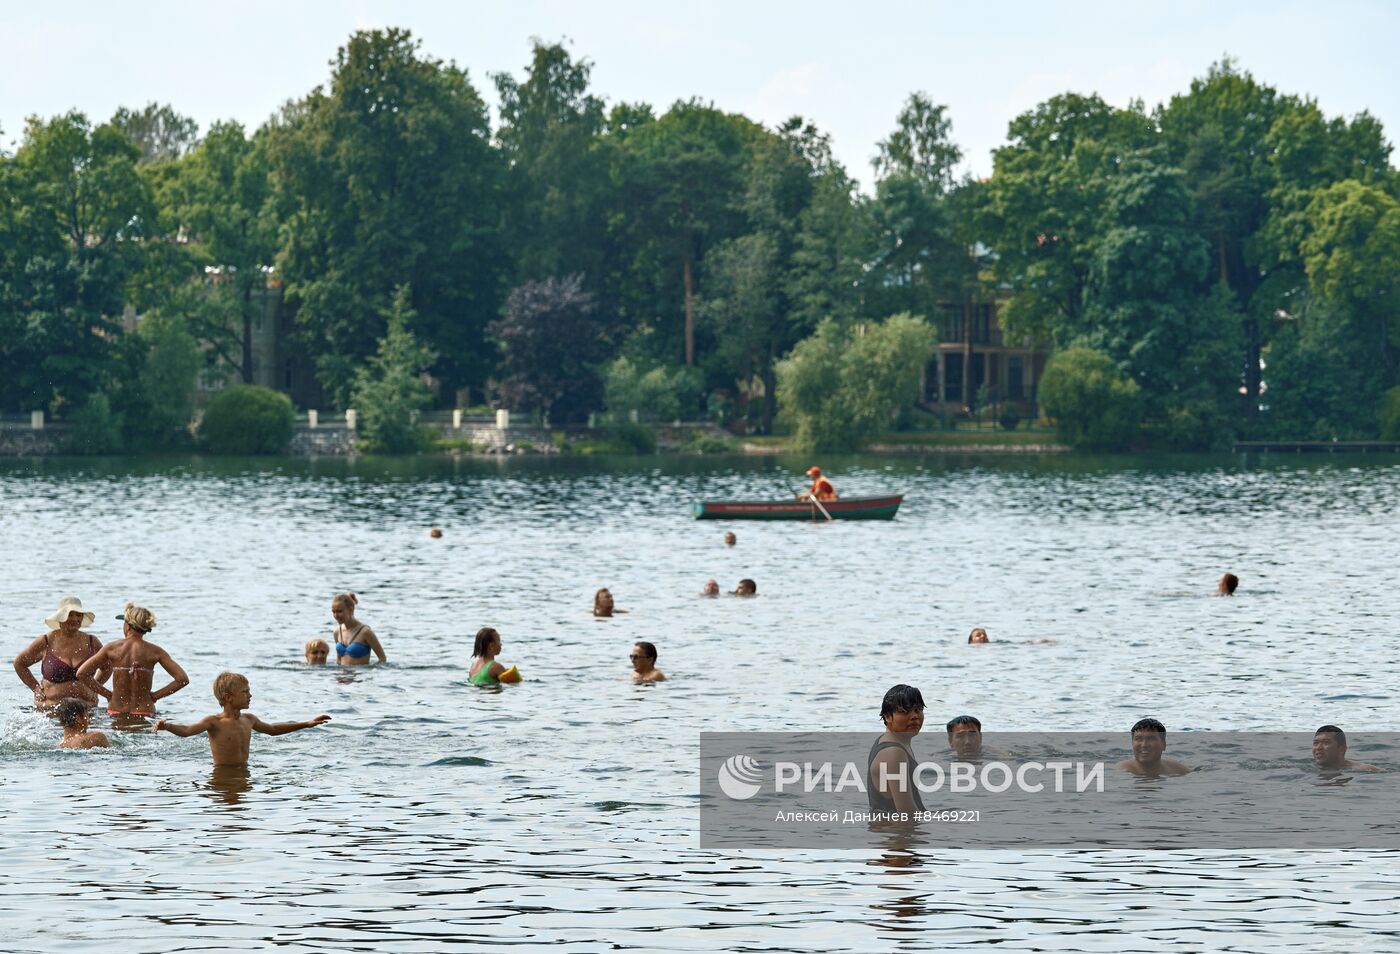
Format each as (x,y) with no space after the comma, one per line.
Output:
(1174,767)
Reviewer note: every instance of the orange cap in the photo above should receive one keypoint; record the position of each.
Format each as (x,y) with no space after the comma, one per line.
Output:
(814,471)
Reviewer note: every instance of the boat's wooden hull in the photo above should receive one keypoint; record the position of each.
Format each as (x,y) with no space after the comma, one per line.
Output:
(852,508)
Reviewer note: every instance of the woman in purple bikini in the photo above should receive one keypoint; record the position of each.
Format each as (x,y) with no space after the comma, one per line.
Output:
(60,652)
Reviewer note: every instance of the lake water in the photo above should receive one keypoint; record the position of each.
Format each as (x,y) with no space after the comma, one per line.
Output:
(430,814)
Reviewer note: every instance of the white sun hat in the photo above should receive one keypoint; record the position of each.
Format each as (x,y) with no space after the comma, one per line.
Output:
(67,605)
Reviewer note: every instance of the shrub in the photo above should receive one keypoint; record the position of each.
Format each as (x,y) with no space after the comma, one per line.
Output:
(93,428)
(388,389)
(247,419)
(1094,406)
(632,439)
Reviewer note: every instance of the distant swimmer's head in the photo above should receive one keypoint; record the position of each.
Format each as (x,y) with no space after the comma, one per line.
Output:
(603,603)
(487,643)
(965,735)
(711,588)
(978,635)
(316,652)
(643,657)
(435,533)
(1149,741)
(1329,747)
(1227,584)
(72,714)
(746,587)
(903,709)
(729,538)
(231,688)
(343,607)
(138,618)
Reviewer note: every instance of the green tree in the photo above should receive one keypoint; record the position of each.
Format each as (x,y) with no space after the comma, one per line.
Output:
(155,398)
(158,131)
(389,389)
(841,385)
(386,177)
(1095,407)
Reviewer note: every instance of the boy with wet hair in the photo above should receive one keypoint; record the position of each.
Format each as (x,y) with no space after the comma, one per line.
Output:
(231,730)
(72,714)
(1329,751)
(1149,738)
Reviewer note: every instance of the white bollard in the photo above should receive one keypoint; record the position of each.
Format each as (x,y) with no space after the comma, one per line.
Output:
(350,418)
(457,419)
(313,419)
(36,420)
(502,419)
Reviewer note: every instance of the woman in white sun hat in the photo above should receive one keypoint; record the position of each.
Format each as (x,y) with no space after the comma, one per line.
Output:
(59,652)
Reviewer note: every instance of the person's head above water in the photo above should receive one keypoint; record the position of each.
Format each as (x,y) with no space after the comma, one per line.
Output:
(978,635)
(316,651)
(72,714)
(965,735)
(1329,747)
(343,607)
(747,587)
(603,603)
(711,588)
(1149,738)
(729,538)
(137,618)
(903,709)
(487,642)
(1227,584)
(643,656)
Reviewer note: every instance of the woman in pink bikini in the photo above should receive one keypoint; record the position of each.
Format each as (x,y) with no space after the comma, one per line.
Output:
(133,661)
(60,652)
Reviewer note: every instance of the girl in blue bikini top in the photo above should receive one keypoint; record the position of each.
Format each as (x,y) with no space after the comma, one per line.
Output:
(354,641)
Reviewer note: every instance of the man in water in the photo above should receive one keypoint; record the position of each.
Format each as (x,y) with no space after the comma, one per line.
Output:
(1227,585)
(746,587)
(1329,751)
(890,786)
(644,663)
(821,488)
(1149,742)
(965,737)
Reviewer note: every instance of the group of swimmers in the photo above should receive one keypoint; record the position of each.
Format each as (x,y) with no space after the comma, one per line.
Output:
(892,756)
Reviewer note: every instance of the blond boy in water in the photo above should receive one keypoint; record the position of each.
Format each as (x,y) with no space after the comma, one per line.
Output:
(231,730)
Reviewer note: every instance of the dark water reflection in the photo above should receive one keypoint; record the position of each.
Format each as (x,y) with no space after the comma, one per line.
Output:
(429,814)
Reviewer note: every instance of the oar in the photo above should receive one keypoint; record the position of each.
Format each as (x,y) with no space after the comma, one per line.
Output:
(816,503)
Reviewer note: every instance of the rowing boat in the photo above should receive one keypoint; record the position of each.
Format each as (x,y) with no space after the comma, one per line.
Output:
(851,508)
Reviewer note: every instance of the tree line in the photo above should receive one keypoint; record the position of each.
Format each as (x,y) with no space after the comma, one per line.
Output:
(1222,265)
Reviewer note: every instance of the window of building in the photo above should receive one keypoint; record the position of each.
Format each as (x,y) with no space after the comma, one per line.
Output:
(952,378)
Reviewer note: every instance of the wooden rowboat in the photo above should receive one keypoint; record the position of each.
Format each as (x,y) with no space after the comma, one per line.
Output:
(850,508)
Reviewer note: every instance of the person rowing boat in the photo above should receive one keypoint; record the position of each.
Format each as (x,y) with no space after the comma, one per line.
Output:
(821,489)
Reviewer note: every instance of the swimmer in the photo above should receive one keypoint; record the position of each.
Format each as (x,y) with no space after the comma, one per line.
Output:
(892,758)
(1329,751)
(747,587)
(317,651)
(132,661)
(965,736)
(72,714)
(711,588)
(485,670)
(1149,742)
(60,652)
(354,641)
(1227,585)
(729,538)
(231,730)
(435,533)
(978,635)
(603,606)
(644,664)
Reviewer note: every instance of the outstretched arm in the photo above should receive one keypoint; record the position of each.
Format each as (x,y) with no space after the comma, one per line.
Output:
(185,731)
(178,679)
(282,728)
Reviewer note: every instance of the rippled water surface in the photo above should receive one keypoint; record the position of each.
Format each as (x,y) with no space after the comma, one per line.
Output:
(430,814)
